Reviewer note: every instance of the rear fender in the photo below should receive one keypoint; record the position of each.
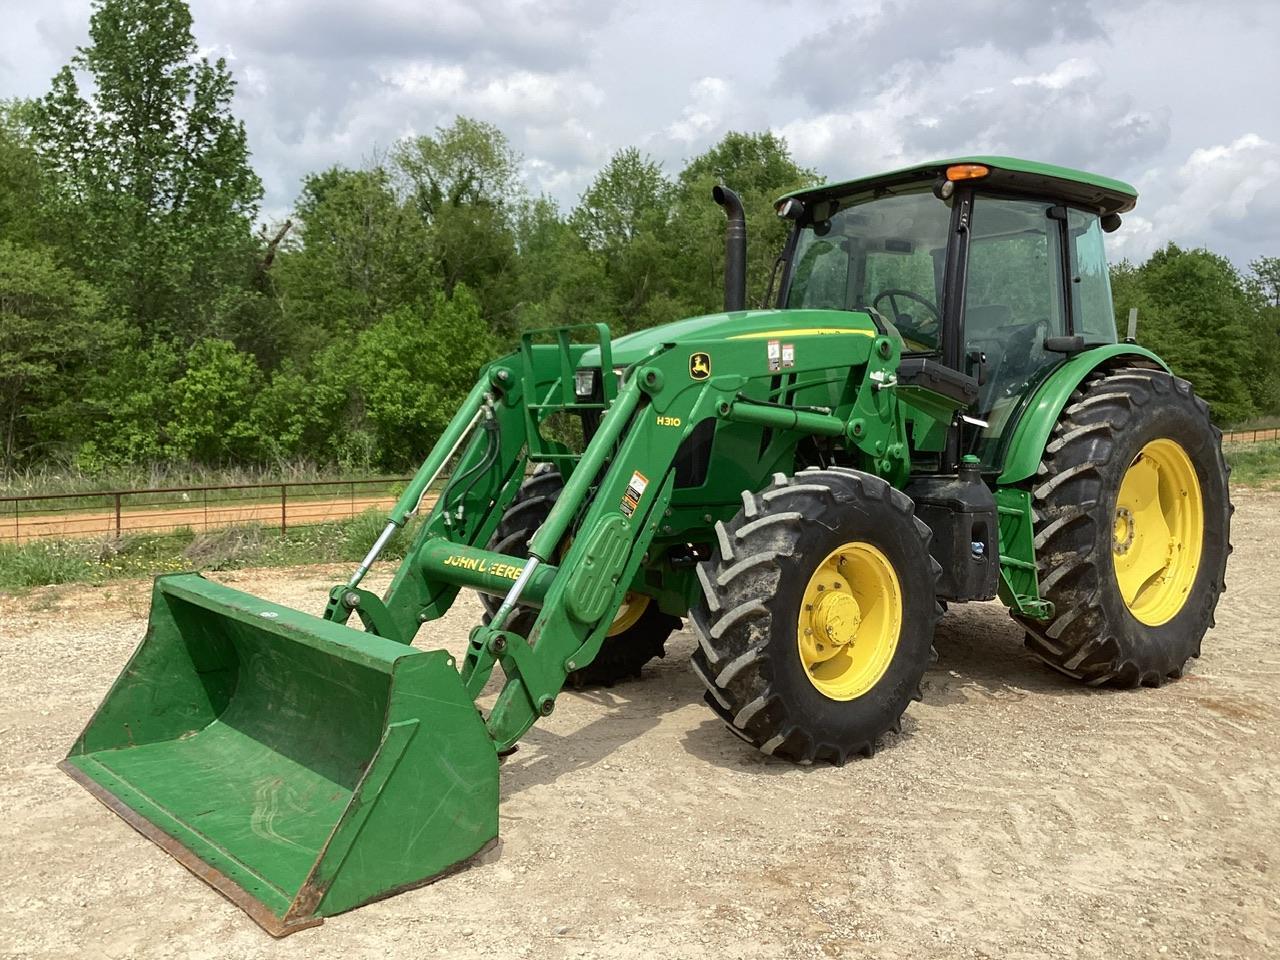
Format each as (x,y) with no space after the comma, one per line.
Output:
(1026,447)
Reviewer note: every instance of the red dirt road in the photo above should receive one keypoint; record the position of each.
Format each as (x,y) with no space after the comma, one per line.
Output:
(161,519)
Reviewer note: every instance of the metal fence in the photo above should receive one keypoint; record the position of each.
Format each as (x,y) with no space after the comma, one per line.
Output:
(1252,436)
(115,513)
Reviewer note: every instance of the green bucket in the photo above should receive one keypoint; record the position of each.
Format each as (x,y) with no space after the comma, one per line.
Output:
(298,766)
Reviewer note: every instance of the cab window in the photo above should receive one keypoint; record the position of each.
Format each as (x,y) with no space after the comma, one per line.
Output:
(1091,312)
(1013,302)
(883,252)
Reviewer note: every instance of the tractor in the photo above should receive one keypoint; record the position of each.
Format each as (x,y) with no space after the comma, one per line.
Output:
(935,407)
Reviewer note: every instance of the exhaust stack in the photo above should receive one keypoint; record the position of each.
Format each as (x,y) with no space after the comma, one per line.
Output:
(735,248)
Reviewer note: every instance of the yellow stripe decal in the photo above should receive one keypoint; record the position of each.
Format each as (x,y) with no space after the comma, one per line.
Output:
(807,332)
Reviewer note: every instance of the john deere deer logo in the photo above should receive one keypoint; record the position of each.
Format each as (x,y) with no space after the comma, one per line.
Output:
(700,366)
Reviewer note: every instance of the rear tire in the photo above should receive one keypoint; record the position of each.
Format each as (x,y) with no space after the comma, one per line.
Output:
(623,654)
(1117,619)
(758,585)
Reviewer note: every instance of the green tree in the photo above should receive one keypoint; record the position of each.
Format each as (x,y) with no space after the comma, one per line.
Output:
(1266,277)
(50,331)
(1264,286)
(560,281)
(358,253)
(1194,311)
(210,420)
(623,221)
(152,171)
(23,180)
(464,182)
(406,375)
(759,167)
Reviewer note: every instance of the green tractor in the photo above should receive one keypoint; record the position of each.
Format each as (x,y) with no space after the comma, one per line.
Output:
(937,409)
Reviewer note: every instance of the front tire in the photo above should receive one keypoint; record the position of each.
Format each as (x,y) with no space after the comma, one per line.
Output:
(640,630)
(1133,520)
(816,622)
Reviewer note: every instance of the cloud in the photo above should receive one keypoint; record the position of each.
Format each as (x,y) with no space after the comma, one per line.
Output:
(1065,74)
(846,60)
(532,34)
(1171,96)
(703,114)
(518,93)
(1067,114)
(1223,197)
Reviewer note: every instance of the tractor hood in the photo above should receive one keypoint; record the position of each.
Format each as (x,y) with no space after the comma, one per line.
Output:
(757,324)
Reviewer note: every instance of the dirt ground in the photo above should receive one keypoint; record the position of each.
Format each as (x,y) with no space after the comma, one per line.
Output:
(1017,815)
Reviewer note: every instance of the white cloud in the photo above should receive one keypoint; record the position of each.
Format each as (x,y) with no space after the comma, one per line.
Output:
(704,112)
(1172,96)
(1222,196)
(1065,74)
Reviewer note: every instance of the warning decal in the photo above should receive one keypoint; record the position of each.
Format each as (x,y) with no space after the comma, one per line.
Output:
(635,490)
(774,351)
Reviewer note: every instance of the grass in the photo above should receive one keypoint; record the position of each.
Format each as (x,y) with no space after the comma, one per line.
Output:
(44,562)
(1267,422)
(1255,464)
(48,480)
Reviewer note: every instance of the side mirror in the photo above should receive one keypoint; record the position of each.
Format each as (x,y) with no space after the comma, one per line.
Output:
(1073,344)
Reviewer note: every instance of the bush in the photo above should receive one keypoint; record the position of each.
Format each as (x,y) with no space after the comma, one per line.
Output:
(48,562)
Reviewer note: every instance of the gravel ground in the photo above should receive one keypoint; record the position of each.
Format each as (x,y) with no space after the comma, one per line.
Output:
(1017,815)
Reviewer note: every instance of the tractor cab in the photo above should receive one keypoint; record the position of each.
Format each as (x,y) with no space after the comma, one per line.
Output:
(990,266)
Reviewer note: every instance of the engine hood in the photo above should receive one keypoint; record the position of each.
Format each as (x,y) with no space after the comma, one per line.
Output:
(721,326)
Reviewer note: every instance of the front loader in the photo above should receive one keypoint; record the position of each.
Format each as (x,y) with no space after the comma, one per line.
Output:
(936,409)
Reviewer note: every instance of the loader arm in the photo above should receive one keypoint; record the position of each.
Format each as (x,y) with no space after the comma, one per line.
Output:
(303,766)
(585,556)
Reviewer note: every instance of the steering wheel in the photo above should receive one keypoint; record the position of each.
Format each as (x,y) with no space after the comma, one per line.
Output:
(892,294)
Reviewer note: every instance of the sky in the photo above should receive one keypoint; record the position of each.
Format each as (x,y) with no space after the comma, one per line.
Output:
(1177,97)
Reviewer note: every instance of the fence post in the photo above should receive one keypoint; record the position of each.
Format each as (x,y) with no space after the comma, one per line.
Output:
(283,509)
(117,515)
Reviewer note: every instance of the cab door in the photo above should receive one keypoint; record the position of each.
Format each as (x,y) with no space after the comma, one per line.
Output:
(1015,300)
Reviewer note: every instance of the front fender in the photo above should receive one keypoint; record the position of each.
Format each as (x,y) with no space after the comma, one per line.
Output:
(1026,447)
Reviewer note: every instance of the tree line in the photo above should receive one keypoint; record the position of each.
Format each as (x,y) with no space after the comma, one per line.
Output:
(145,317)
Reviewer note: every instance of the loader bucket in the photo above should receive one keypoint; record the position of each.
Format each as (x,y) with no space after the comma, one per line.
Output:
(298,766)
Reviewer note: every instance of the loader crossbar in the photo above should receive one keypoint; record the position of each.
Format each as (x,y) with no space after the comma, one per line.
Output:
(289,753)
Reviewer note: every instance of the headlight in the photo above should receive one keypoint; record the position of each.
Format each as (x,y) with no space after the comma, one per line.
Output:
(584,382)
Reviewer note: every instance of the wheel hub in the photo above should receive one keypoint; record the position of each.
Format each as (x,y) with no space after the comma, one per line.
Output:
(1123,533)
(837,619)
(850,619)
(1158,532)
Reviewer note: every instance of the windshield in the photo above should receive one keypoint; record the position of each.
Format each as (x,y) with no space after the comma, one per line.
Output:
(883,252)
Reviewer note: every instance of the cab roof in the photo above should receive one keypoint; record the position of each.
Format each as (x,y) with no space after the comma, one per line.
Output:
(1007,173)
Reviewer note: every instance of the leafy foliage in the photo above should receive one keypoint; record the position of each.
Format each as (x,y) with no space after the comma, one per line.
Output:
(144,325)
(1197,313)
(150,177)
(48,325)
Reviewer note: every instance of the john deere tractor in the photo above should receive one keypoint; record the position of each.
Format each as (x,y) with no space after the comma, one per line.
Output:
(936,408)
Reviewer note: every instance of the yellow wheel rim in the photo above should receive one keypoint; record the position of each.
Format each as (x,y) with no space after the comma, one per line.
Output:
(1158,532)
(633,607)
(850,619)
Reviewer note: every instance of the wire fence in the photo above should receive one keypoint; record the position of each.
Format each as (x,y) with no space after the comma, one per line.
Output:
(117,513)
(1261,435)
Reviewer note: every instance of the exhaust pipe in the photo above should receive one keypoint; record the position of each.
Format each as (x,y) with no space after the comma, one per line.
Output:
(735,248)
